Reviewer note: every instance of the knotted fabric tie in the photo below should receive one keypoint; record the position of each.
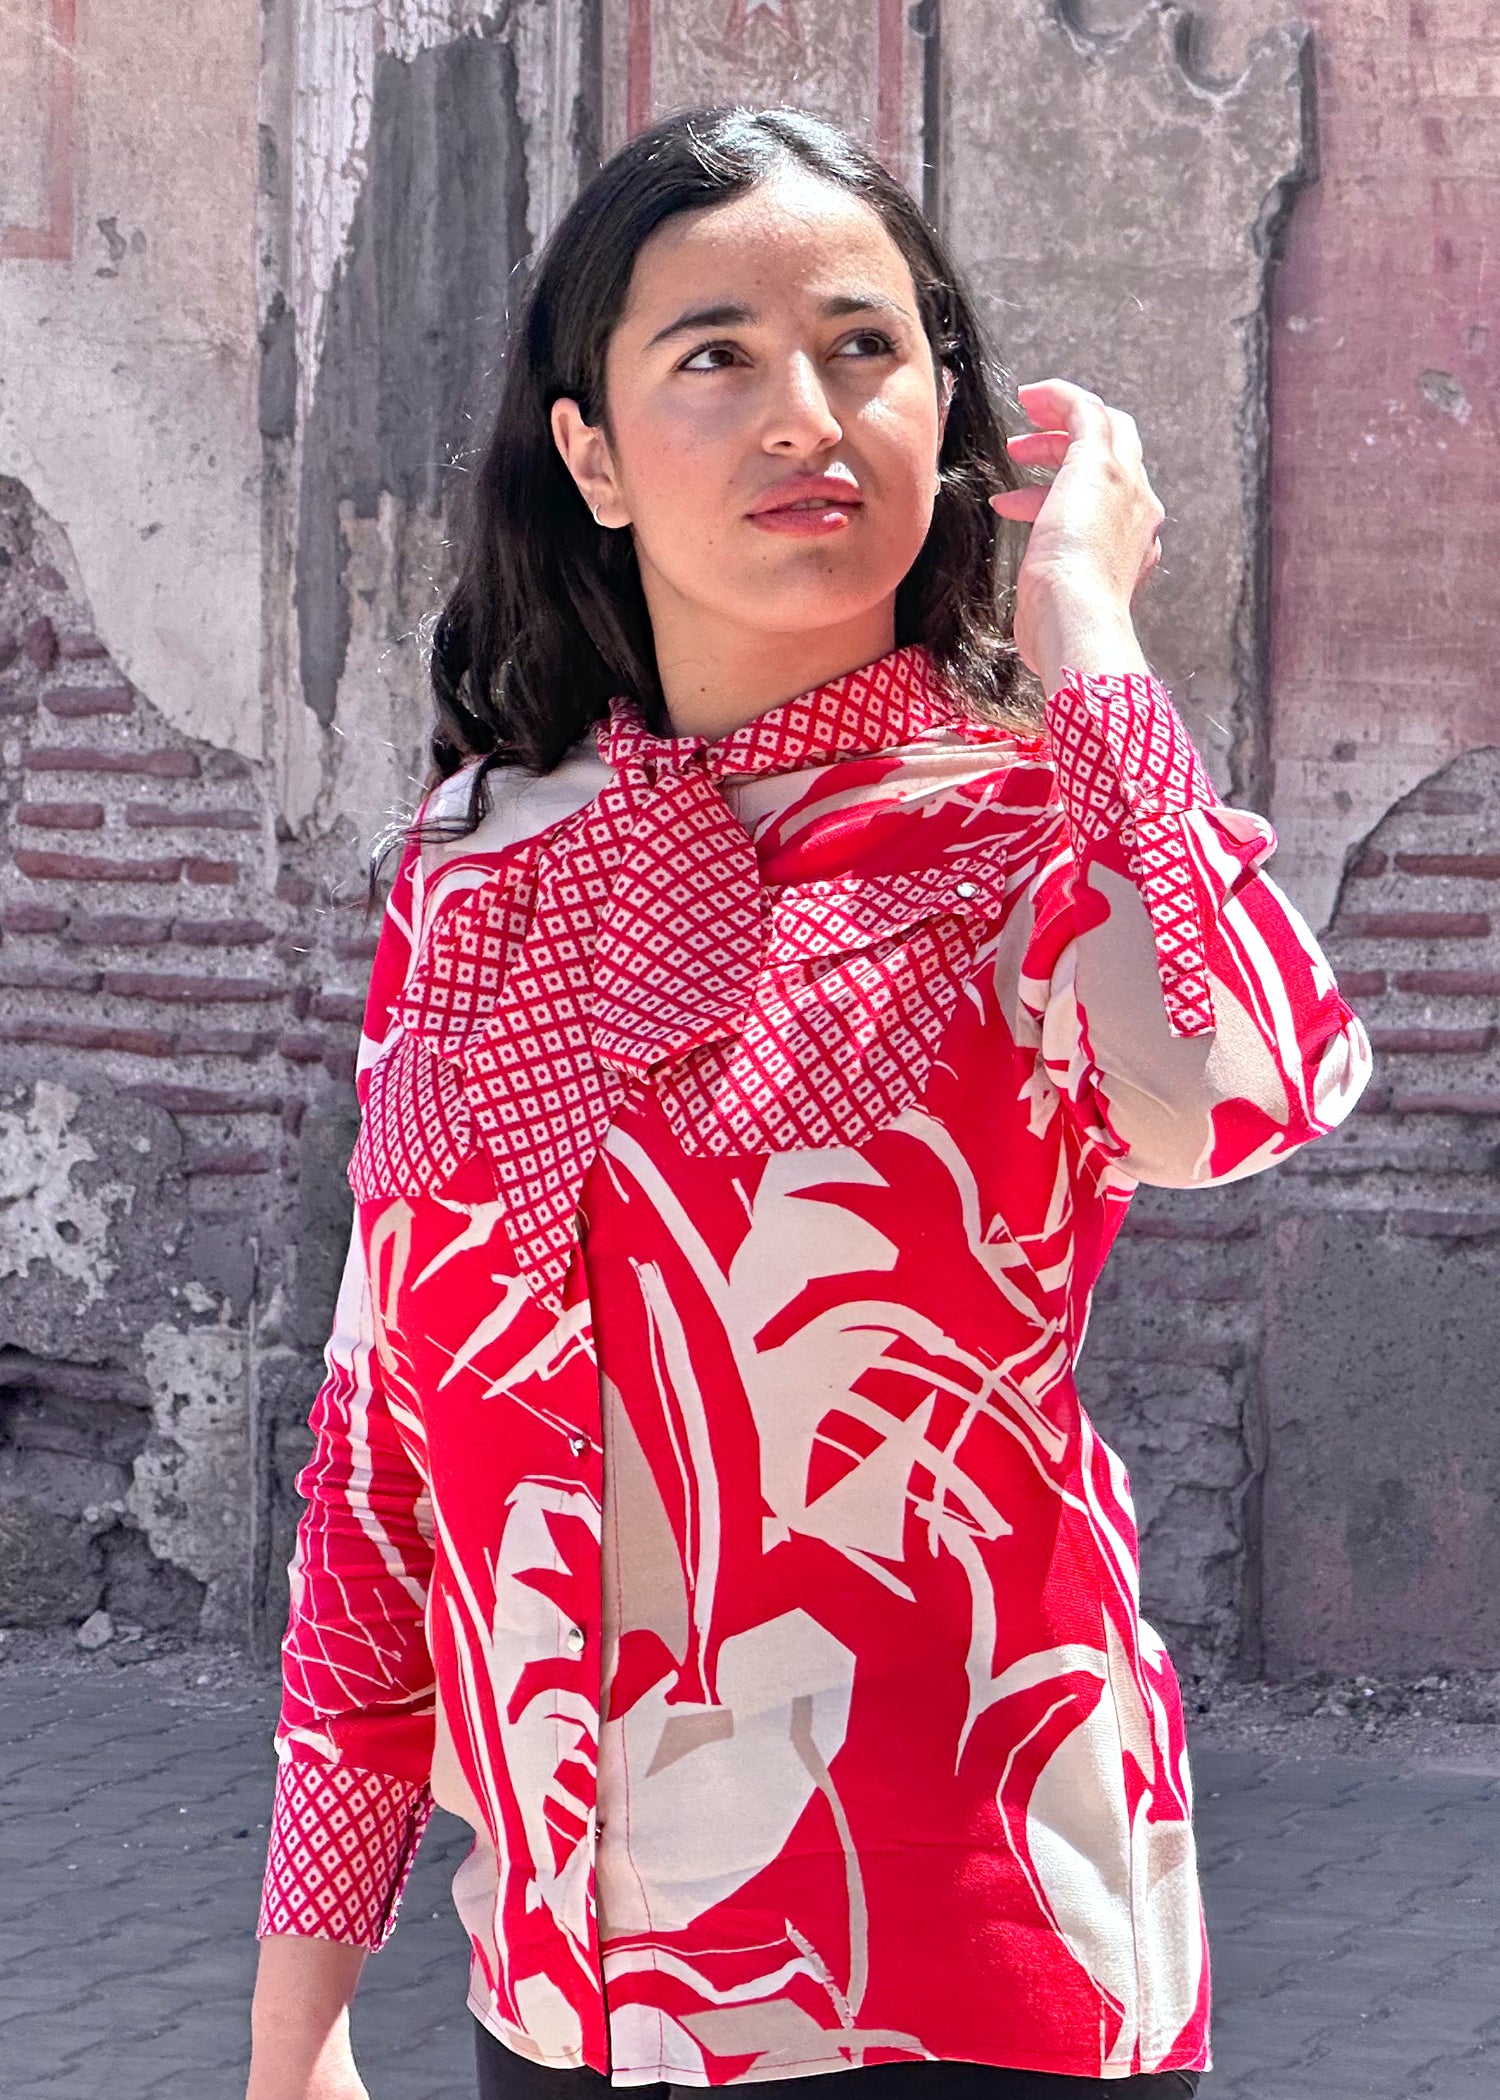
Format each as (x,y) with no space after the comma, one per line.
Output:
(618,941)
(680,941)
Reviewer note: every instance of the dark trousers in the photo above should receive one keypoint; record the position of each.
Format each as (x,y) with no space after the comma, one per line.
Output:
(505,2076)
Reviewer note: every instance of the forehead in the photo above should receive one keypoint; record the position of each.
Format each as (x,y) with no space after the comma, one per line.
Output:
(792,236)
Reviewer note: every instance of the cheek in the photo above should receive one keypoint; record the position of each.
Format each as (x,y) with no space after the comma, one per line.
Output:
(675,466)
(899,429)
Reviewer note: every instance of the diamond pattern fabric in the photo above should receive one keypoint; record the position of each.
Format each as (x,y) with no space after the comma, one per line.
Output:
(1128,770)
(342,1845)
(416,1126)
(677,953)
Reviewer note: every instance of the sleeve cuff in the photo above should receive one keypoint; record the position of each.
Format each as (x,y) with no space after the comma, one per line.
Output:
(1127,772)
(342,1845)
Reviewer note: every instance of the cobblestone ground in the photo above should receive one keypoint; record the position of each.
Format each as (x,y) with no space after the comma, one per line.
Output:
(1354,1902)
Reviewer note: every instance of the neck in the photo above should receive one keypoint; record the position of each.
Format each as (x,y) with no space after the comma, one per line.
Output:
(715,682)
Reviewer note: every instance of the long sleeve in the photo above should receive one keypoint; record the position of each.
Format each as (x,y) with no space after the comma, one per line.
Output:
(1186,1014)
(355,1731)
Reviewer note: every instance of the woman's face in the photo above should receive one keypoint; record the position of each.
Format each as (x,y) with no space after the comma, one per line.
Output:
(766,343)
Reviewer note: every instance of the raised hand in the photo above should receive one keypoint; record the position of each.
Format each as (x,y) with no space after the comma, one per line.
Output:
(1093,527)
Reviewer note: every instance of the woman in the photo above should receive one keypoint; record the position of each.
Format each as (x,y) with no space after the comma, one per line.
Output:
(773,1015)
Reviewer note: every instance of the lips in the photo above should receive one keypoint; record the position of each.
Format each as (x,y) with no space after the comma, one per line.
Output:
(808,492)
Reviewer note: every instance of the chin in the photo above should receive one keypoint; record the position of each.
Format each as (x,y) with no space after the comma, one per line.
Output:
(810,596)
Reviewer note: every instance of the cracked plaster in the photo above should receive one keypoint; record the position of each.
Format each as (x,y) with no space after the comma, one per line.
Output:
(127,367)
(46,1215)
(191,1488)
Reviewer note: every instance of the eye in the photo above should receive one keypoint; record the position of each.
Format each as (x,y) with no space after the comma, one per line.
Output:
(691,364)
(884,345)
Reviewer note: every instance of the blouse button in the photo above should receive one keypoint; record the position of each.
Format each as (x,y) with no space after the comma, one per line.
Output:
(964,889)
(578,1445)
(575,1638)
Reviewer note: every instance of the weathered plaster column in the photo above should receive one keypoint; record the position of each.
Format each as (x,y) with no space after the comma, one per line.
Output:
(1113,176)
(415,156)
(1387,384)
(1117,208)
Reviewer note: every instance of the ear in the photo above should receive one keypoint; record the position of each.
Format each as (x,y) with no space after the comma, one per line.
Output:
(945,400)
(587,457)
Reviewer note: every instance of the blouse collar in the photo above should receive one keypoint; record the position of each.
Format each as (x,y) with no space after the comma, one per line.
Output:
(878,706)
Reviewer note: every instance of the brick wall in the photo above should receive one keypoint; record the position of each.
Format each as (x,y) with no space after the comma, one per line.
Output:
(163,955)
(1300,1369)
(1169,1374)
(1417,935)
(1382,1512)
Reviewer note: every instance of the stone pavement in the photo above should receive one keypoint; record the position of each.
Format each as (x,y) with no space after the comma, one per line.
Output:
(1354,1905)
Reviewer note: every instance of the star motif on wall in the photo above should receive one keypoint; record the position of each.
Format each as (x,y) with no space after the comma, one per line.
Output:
(780,13)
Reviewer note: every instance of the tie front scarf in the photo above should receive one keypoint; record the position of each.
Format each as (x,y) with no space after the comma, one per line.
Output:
(634,942)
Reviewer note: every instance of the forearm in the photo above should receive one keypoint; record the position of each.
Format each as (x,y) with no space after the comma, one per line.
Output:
(1089,635)
(299,2020)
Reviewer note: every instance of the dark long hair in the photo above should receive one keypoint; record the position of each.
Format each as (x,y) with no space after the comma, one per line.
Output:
(548,617)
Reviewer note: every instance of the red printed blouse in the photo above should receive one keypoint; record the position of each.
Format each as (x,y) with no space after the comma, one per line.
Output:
(701,1504)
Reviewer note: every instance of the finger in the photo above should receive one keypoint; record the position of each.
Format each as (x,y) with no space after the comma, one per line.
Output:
(1126,436)
(1038,448)
(1021,505)
(1061,403)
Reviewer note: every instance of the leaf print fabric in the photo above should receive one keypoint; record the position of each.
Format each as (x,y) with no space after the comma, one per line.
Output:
(701,1503)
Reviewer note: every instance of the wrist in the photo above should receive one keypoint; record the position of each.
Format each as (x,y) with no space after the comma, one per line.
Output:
(1088,637)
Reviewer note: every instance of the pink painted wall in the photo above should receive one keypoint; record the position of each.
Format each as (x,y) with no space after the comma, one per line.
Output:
(1385,407)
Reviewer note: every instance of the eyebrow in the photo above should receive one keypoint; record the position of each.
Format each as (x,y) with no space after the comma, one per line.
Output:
(730,314)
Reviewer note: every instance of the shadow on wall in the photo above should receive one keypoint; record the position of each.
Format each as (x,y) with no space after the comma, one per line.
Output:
(416,317)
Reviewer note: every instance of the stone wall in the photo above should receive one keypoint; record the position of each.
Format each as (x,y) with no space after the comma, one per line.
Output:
(180,989)
(251,303)
(1382,1487)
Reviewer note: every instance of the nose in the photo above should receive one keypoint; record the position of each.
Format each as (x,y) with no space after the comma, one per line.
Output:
(800,418)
